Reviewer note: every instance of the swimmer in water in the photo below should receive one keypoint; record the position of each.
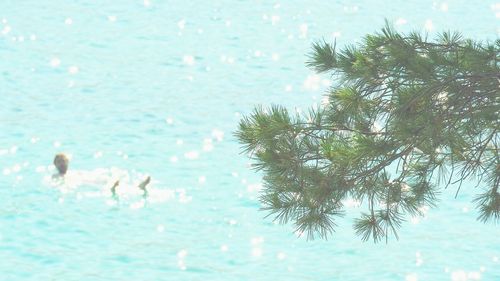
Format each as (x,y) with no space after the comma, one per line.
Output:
(113,188)
(143,184)
(61,162)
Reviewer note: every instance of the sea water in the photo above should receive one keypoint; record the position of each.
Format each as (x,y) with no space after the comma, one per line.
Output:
(147,87)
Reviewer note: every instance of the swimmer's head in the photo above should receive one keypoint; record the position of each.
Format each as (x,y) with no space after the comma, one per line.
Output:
(61,162)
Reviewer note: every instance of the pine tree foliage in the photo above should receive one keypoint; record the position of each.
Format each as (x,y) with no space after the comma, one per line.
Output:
(406,116)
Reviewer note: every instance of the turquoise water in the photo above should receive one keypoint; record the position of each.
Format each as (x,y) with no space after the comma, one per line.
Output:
(130,88)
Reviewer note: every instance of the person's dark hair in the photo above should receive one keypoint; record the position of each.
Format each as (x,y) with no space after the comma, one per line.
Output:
(61,162)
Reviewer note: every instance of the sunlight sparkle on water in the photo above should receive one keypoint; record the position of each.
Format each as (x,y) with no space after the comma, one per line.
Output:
(429,26)
(275,19)
(303,30)
(191,155)
(181,24)
(281,256)
(13,149)
(461,275)
(202,179)
(160,228)
(256,243)
(401,21)
(254,187)
(411,277)
(444,7)
(419,259)
(6,30)
(73,69)
(55,62)
(207,145)
(224,248)
(256,252)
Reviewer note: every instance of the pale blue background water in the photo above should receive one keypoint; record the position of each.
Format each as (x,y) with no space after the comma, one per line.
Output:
(134,73)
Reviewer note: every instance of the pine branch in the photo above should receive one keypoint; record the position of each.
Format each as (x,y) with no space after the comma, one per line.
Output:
(426,111)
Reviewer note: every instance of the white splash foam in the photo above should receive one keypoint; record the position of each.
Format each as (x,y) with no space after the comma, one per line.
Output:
(207,145)
(182,254)
(188,60)
(218,134)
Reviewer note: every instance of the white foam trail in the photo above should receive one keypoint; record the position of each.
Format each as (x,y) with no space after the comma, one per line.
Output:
(97,183)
